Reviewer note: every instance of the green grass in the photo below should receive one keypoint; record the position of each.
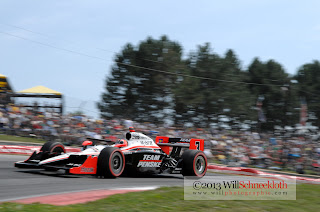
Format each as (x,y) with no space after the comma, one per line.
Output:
(22,139)
(307,172)
(171,199)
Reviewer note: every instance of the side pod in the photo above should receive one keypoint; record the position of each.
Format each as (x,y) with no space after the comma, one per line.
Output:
(88,167)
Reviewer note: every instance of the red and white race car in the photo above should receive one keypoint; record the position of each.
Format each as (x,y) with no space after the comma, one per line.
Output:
(137,154)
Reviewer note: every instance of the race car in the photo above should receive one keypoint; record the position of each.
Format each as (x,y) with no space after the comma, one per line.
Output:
(137,154)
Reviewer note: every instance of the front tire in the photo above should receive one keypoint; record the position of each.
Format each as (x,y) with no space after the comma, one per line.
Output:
(53,147)
(111,163)
(194,163)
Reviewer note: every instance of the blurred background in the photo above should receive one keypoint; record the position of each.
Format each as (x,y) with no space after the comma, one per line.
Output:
(246,81)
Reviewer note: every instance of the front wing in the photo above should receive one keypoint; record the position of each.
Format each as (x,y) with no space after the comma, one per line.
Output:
(74,164)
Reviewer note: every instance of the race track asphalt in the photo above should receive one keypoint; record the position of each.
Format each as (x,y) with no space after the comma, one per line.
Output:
(25,183)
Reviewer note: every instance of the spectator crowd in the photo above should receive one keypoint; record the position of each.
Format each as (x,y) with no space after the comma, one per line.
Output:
(299,153)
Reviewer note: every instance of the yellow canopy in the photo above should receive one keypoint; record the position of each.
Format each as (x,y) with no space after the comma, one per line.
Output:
(40,90)
(4,84)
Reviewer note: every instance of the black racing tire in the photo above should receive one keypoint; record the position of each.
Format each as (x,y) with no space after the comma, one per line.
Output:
(111,163)
(53,147)
(194,163)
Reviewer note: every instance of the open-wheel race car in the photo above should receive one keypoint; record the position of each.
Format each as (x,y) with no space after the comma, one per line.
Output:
(135,155)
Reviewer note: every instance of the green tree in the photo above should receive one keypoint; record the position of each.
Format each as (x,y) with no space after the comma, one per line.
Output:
(270,81)
(143,94)
(237,99)
(204,104)
(308,77)
(218,89)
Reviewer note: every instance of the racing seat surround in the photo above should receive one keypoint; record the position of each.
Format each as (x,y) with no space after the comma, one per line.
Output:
(121,143)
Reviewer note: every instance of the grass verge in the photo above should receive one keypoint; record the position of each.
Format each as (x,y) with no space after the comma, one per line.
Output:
(171,199)
(21,139)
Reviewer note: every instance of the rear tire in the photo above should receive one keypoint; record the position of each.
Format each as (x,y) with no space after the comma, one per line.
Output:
(194,163)
(111,163)
(53,147)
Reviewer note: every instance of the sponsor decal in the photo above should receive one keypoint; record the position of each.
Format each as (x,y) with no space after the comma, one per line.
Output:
(184,140)
(149,164)
(177,171)
(160,140)
(150,161)
(85,169)
(74,164)
(151,157)
(146,143)
(135,137)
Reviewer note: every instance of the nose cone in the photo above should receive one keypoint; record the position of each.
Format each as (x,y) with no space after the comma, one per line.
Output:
(54,159)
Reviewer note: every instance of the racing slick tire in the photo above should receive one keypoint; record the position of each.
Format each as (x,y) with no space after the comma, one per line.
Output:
(53,147)
(111,162)
(194,163)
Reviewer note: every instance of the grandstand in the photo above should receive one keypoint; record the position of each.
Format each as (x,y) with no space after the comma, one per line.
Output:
(8,97)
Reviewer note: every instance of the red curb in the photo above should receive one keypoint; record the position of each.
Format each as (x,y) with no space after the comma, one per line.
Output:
(255,172)
(27,150)
(74,197)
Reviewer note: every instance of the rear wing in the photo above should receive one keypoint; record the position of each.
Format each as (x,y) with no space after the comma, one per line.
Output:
(166,143)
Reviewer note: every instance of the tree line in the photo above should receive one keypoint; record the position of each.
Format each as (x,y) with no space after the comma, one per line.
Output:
(153,82)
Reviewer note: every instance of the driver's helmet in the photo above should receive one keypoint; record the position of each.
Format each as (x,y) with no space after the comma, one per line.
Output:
(131,129)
